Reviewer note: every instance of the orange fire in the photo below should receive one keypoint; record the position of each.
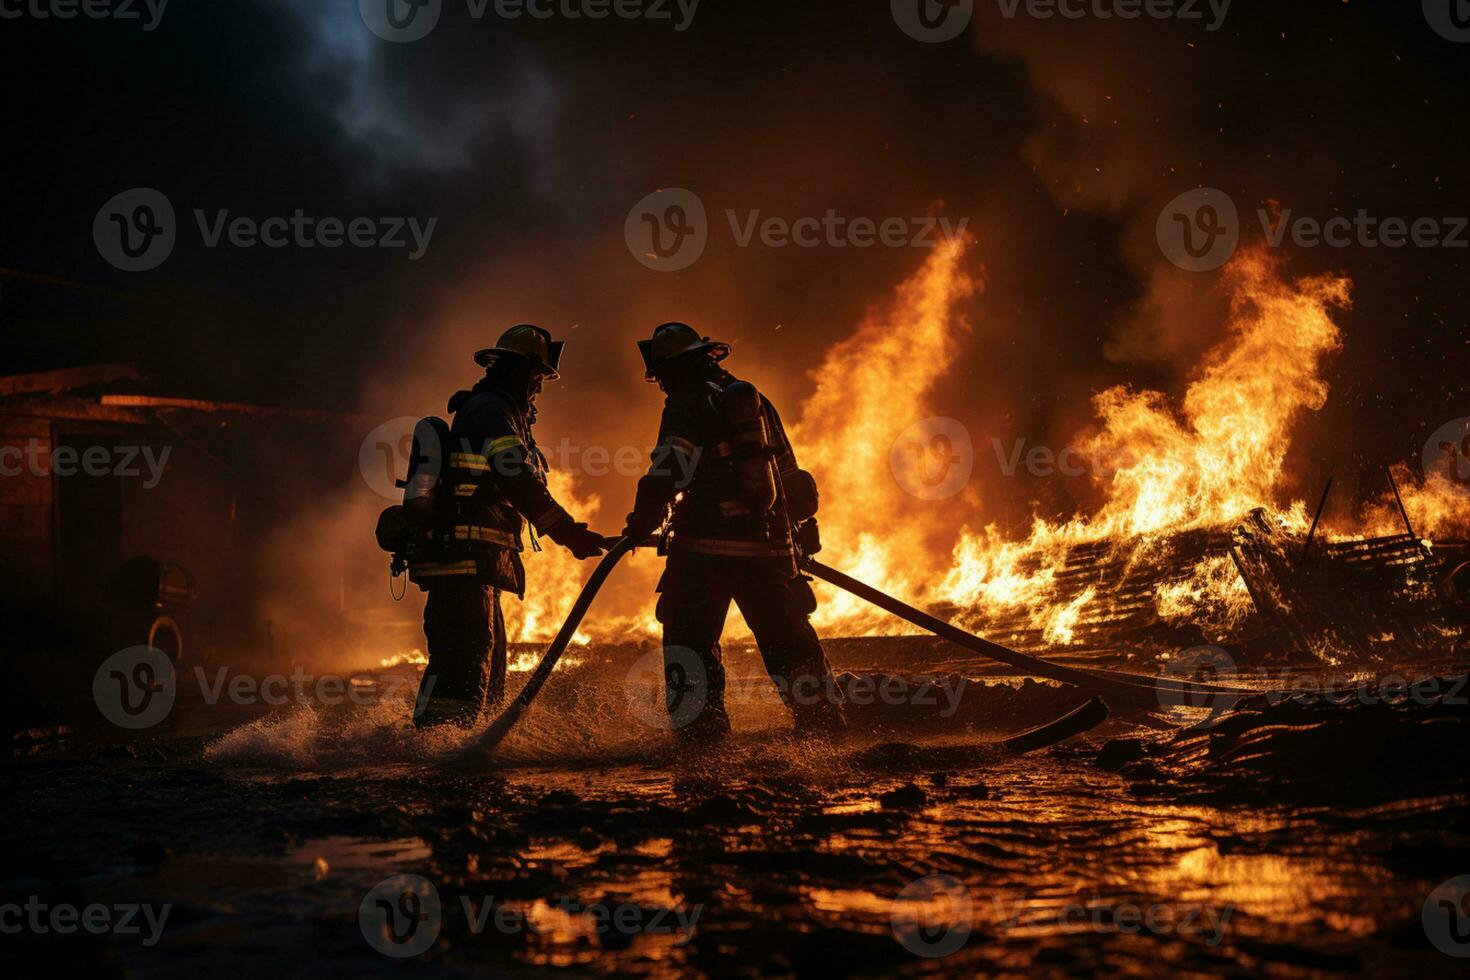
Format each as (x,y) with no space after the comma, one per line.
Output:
(870,388)
(1162,469)
(555,576)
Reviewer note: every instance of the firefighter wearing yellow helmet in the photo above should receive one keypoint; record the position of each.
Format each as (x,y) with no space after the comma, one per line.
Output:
(743,510)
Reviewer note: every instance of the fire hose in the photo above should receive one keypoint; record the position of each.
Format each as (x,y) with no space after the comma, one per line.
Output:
(502,725)
(1119,685)
(1123,688)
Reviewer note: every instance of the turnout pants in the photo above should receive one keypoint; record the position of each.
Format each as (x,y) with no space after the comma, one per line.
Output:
(695,595)
(466,637)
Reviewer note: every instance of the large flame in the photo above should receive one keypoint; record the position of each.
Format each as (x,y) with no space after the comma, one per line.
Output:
(1222,455)
(1163,470)
(870,388)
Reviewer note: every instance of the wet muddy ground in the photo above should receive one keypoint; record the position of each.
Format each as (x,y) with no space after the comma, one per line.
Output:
(259,840)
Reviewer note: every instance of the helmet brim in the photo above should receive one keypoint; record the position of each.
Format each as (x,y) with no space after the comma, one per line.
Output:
(650,369)
(550,371)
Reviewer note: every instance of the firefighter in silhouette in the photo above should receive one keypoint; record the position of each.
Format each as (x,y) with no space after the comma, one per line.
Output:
(743,508)
(489,479)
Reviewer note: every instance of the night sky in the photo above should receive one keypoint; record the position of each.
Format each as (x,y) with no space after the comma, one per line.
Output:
(529,141)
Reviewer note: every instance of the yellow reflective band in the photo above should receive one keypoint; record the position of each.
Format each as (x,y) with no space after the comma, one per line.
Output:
(466,532)
(466,489)
(473,462)
(681,445)
(502,444)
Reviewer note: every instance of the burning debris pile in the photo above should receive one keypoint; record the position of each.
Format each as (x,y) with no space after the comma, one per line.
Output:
(1354,600)
(1357,600)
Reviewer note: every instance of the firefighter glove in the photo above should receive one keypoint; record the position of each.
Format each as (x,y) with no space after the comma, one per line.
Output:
(578,538)
(641,525)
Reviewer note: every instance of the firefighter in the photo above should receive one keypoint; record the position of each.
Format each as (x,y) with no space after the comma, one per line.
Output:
(494,481)
(733,536)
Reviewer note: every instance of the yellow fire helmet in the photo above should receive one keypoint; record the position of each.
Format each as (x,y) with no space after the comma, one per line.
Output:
(526,340)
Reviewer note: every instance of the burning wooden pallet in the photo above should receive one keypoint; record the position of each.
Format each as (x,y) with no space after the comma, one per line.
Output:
(1106,592)
(1360,599)
(1346,600)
